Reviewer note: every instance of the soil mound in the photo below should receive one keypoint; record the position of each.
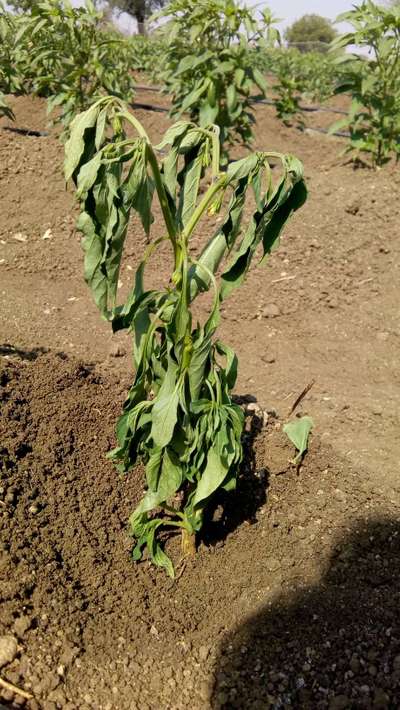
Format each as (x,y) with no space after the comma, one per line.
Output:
(292,599)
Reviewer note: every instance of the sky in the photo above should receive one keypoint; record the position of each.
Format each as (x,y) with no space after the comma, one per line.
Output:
(285,10)
(290,10)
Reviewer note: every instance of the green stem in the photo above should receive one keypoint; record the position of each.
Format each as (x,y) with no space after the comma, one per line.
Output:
(169,222)
(162,196)
(202,207)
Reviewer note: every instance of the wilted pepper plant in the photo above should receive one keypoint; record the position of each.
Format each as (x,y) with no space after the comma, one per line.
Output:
(179,419)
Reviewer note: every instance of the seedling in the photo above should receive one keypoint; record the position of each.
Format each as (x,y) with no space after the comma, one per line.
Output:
(298,432)
(179,419)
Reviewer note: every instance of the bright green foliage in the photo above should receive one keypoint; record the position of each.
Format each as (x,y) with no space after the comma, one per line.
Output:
(318,74)
(74,59)
(179,419)
(9,74)
(311,32)
(146,54)
(288,85)
(298,77)
(208,66)
(374,116)
(298,432)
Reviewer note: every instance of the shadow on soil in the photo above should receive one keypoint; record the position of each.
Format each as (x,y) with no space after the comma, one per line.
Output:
(335,645)
(224,515)
(7,350)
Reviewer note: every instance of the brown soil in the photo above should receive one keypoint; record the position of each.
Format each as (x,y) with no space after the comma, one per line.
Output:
(292,600)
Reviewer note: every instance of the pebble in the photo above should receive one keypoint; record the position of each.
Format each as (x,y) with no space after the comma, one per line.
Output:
(271,311)
(268,359)
(396,663)
(22,625)
(377,410)
(354,663)
(253,407)
(8,649)
(339,702)
(116,350)
(19,237)
(203,653)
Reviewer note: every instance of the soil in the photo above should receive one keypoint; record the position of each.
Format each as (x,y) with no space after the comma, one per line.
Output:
(292,600)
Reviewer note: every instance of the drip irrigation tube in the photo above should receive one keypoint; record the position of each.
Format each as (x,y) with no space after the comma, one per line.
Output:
(162,109)
(26,131)
(268,102)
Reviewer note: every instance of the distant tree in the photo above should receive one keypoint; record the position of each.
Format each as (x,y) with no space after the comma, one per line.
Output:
(310,28)
(139,9)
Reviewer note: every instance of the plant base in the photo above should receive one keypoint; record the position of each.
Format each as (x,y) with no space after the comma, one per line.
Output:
(188,544)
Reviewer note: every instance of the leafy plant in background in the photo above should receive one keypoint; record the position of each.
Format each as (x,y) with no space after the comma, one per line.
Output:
(10,80)
(179,418)
(208,66)
(146,53)
(287,87)
(75,58)
(374,82)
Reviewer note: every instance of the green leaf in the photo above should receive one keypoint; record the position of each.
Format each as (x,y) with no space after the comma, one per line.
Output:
(193,97)
(88,175)
(260,80)
(169,481)
(191,188)
(231,363)
(273,229)
(165,408)
(75,145)
(200,357)
(298,433)
(213,475)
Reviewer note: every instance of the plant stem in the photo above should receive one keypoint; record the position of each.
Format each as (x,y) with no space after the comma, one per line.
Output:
(201,208)
(188,543)
(157,176)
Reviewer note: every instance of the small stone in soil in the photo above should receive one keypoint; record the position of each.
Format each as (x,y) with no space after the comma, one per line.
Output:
(22,625)
(117,350)
(271,311)
(8,649)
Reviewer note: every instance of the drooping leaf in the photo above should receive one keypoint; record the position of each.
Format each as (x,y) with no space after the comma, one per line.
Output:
(213,475)
(165,408)
(298,432)
(75,145)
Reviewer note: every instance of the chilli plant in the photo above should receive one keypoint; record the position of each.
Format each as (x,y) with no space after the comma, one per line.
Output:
(76,58)
(209,68)
(374,81)
(179,419)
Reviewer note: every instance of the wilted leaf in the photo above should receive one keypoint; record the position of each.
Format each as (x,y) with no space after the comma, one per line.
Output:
(298,433)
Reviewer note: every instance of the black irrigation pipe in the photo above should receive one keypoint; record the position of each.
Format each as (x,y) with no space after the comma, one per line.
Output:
(26,131)
(162,109)
(149,107)
(268,102)
(309,109)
